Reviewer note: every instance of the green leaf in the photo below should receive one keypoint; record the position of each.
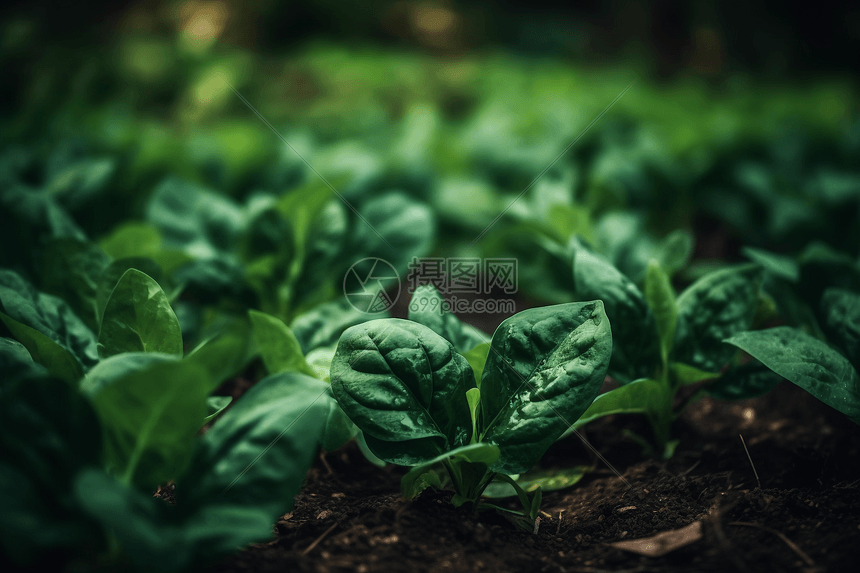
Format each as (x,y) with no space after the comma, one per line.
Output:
(278,345)
(259,452)
(780,266)
(841,310)
(683,374)
(427,307)
(150,418)
(715,307)
(636,346)
(545,367)
(395,228)
(807,362)
(214,406)
(202,223)
(133,240)
(477,358)
(661,299)
(71,270)
(109,370)
(142,526)
(113,272)
(646,396)
(49,316)
(48,433)
(324,325)
(421,476)
(339,429)
(226,353)
(319,360)
(138,317)
(674,251)
(405,387)
(473,397)
(58,361)
(546,480)
(15,361)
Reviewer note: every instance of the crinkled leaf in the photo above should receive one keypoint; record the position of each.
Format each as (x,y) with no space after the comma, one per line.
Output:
(808,362)
(278,345)
(430,309)
(138,317)
(715,307)
(636,346)
(544,369)
(405,387)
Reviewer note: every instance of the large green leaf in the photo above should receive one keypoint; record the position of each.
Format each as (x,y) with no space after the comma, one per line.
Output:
(150,416)
(808,362)
(636,345)
(841,311)
(544,368)
(138,317)
(46,315)
(430,309)
(258,453)
(278,345)
(405,387)
(715,307)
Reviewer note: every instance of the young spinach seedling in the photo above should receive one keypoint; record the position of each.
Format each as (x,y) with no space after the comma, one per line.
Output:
(419,404)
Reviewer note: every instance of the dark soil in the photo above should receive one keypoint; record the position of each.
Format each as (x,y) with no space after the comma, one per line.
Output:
(805,516)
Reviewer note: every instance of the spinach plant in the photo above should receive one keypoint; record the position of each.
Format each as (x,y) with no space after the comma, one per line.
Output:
(664,342)
(418,402)
(93,422)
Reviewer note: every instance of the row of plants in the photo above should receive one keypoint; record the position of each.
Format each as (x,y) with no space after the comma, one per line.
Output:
(114,351)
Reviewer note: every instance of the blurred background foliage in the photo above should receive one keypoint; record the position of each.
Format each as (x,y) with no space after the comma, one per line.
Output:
(741,127)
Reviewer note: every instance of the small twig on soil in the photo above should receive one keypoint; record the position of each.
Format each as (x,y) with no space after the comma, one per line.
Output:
(326,464)
(751,462)
(806,558)
(316,542)
(560,517)
(692,467)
